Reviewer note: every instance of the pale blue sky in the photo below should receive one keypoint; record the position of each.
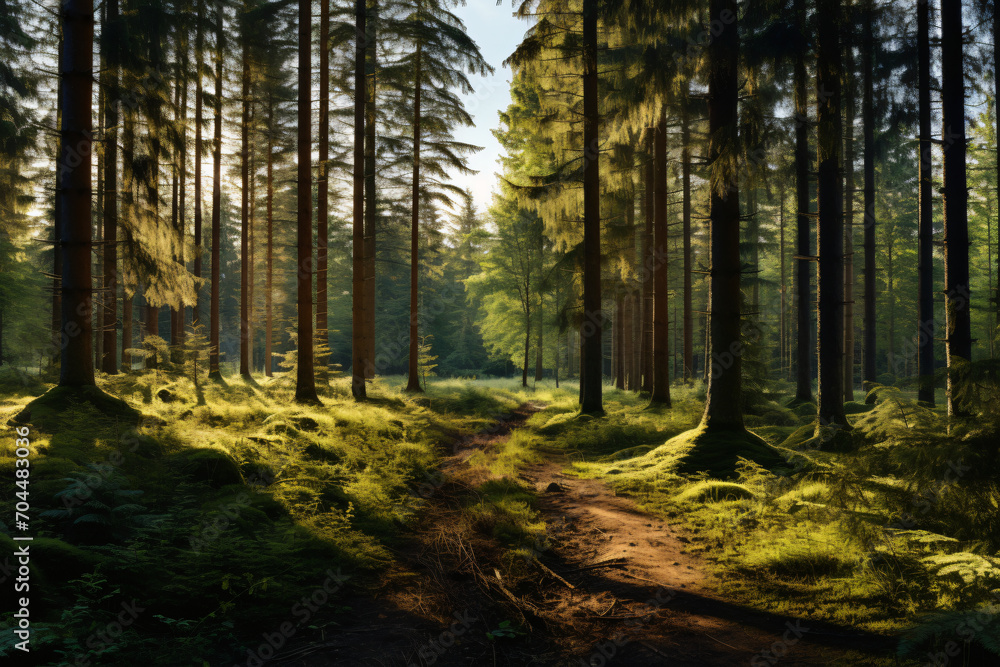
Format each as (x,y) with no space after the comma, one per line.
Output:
(498,33)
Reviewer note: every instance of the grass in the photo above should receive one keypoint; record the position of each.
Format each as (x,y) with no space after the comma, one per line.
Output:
(237,498)
(869,536)
(242,501)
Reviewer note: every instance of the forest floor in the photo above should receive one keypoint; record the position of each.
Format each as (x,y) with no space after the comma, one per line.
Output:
(484,523)
(612,582)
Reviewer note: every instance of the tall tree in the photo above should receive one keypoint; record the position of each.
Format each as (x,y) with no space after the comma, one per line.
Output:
(958,342)
(305,381)
(688,355)
(246,34)
(868,119)
(413,376)
(360,333)
(213,359)
(850,111)
(649,260)
(442,52)
(803,265)
(661,317)
(829,69)
(75,191)
(723,411)
(110,44)
(199,56)
(371,169)
(323,192)
(591,327)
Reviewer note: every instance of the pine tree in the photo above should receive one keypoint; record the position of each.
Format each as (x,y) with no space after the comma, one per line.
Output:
(958,343)
(305,381)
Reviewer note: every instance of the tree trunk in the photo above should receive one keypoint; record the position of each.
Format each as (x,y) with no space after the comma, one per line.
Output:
(199,46)
(850,112)
(686,213)
(213,358)
(996,113)
(359,319)
(631,310)
(128,210)
(540,350)
(245,209)
(175,194)
(868,111)
(590,330)
(782,292)
(109,356)
(57,206)
(413,376)
(75,190)
(956,197)
(152,329)
(305,381)
(723,399)
(323,194)
(127,317)
(370,193)
(803,267)
(618,342)
(269,278)
(661,317)
(648,262)
(831,218)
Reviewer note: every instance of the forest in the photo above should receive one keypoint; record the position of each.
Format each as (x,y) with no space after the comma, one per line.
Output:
(710,377)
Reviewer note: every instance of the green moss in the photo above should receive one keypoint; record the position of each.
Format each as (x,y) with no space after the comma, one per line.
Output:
(208,464)
(715,491)
(715,451)
(49,411)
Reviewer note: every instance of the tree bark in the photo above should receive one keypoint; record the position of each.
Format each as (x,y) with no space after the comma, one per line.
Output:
(956,222)
(245,208)
(213,358)
(590,331)
(413,375)
(199,47)
(323,193)
(661,317)
(109,353)
(371,193)
(868,112)
(996,113)
(648,262)
(75,190)
(831,217)
(359,334)
(850,112)
(269,278)
(688,355)
(305,381)
(803,267)
(723,400)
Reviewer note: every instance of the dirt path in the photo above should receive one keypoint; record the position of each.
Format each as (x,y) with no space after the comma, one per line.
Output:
(639,595)
(612,586)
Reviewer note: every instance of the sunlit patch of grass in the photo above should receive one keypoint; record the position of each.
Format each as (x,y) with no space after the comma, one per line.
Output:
(258,496)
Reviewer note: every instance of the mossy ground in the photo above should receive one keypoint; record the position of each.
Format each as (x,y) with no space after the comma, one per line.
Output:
(241,502)
(218,509)
(870,536)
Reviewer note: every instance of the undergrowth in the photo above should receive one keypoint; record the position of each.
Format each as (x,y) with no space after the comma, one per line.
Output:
(213,513)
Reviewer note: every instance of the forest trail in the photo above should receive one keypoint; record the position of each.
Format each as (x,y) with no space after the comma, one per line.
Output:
(610,584)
